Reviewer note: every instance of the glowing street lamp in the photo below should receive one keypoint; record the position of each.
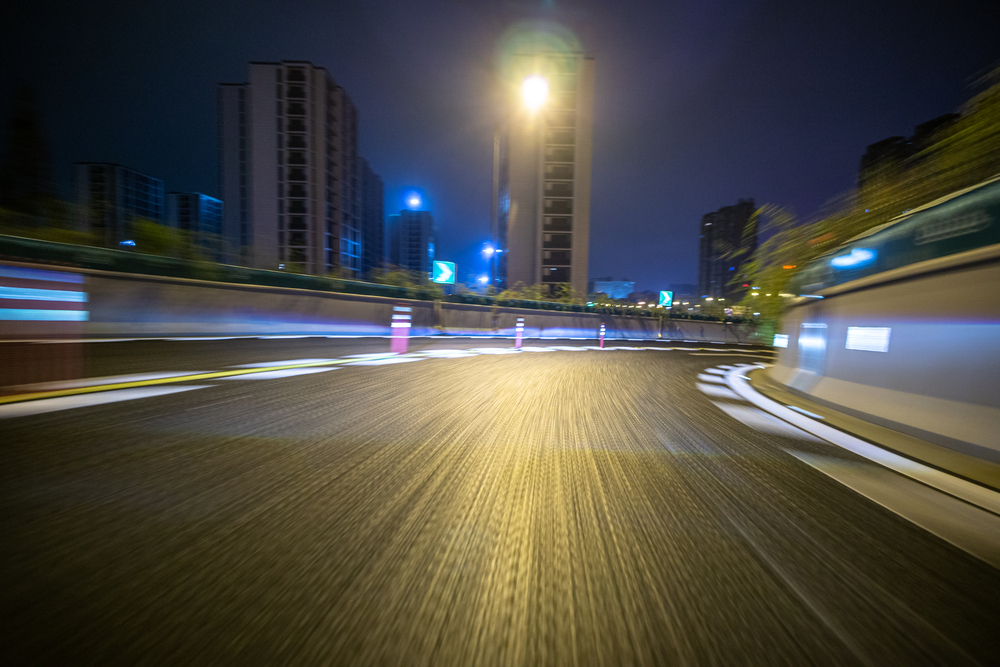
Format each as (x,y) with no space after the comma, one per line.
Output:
(535,91)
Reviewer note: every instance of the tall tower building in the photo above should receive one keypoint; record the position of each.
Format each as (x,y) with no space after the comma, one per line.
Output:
(541,171)
(288,161)
(728,240)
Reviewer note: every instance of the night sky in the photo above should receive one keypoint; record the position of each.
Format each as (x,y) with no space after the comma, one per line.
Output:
(698,103)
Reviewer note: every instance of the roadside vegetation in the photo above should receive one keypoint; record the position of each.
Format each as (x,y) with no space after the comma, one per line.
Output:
(962,154)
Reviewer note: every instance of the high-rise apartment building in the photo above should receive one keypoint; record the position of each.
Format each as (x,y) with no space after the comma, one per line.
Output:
(372,219)
(288,170)
(728,241)
(111,197)
(541,171)
(411,240)
(200,216)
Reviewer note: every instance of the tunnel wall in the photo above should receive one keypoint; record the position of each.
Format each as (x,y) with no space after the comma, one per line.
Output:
(131,305)
(937,378)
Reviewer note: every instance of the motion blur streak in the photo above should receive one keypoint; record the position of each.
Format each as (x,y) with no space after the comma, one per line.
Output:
(515,509)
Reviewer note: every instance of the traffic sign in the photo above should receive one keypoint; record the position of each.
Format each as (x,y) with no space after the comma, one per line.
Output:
(443,273)
(666,298)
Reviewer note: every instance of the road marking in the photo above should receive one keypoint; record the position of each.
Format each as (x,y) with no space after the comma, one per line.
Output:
(804,412)
(715,371)
(955,486)
(98,381)
(764,422)
(443,354)
(287,362)
(711,378)
(86,400)
(967,527)
(275,375)
(715,390)
(20,398)
(384,362)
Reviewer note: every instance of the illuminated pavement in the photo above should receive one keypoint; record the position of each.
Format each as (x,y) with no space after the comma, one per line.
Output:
(550,507)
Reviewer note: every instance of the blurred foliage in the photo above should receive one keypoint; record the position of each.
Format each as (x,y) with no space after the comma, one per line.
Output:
(557,293)
(962,154)
(399,276)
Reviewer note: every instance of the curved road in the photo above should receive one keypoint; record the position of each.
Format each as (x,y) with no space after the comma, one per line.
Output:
(550,507)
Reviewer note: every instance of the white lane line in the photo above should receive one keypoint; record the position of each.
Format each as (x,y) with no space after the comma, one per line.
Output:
(764,422)
(201,338)
(741,353)
(568,348)
(275,375)
(728,368)
(715,371)
(384,362)
(960,488)
(286,362)
(804,412)
(715,390)
(98,381)
(443,354)
(968,528)
(86,400)
(493,350)
(530,348)
(711,378)
(284,337)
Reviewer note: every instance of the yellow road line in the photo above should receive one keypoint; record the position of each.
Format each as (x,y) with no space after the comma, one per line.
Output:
(20,398)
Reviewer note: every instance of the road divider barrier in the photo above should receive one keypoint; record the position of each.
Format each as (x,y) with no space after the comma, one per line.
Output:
(401,323)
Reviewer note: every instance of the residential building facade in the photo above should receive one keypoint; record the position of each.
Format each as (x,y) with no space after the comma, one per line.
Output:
(411,240)
(201,217)
(727,242)
(288,170)
(111,197)
(373,255)
(541,174)
(616,289)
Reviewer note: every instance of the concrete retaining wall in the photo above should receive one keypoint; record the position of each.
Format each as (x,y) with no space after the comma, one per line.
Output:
(938,378)
(128,305)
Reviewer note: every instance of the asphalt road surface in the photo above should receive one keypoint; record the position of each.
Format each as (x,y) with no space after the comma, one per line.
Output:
(567,507)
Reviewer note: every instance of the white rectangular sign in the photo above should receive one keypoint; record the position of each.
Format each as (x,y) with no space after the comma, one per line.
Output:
(869,339)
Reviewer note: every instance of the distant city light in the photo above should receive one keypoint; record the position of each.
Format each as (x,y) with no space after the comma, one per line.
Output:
(856,257)
(413,201)
(484,279)
(789,266)
(128,243)
(488,250)
(535,90)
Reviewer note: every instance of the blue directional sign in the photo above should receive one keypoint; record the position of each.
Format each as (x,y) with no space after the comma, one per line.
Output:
(443,273)
(666,298)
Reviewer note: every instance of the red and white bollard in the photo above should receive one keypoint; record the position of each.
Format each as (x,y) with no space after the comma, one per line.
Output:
(602,334)
(401,320)
(518,332)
